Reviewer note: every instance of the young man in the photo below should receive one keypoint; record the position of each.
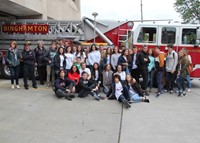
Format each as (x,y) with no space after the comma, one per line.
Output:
(134,70)
(119,91)
(142,63)
(84,69)
(160,67)
(86,86)
(64,87)
(171,63)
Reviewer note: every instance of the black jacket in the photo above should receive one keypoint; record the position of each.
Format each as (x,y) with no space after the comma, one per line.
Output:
(136,87)
(39,54)
(140,60)
(62,84)
(84,84)
(57,66)
(28,57)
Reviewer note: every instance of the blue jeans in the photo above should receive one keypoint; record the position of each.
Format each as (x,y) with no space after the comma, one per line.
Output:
(169,81)
(136,98)
(189,84)
(150,79)
(159,80)
(14,74)
(180,81)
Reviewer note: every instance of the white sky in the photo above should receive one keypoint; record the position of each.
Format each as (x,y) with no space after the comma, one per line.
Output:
(129,9)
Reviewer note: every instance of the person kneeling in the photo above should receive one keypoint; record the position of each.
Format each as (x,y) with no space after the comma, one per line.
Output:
(86,86)
(135,91)
(119,91)
(64,87)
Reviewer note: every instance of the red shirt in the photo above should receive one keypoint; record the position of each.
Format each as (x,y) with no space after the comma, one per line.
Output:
(74,76)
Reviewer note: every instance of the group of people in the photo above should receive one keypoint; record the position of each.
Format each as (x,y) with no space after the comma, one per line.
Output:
(83,71)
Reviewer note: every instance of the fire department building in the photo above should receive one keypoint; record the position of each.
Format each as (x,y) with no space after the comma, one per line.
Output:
(40,9)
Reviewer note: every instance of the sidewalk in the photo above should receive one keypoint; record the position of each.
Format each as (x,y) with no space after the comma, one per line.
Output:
(37,116)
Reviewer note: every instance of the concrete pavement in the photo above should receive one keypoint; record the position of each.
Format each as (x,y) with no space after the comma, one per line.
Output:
(37,116)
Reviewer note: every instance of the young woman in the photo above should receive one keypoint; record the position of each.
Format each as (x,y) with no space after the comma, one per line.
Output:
(135,91)
(96,75)
(107,56)
(74,50)
(151,67)
(80,53)
(107,78)
(93,56)
(182,72)
(121,73)
(119,92)
(74,74)
(12,58)
(123,60)
(59,61)
(114,58)
(69,59)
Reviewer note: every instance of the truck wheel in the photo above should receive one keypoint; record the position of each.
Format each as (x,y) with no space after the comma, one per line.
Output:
(5,72)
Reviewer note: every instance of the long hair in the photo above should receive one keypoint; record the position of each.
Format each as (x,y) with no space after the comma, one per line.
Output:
(81,51)
(71,69)
(92,46)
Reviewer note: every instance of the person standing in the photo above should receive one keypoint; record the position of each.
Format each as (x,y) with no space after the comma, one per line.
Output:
(142,63)
(70,58)
(114,58)
(12,58)
(160,67)
(171,63)
(151,67)
(49,58)
(93,56)
(134,70)
(41,64)
(29,61)
(183,63)
(123,60)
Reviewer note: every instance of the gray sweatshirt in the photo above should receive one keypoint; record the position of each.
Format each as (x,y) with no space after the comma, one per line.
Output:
(171,61)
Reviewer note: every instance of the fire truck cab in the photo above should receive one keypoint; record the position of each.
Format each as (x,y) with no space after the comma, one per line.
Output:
(180,35)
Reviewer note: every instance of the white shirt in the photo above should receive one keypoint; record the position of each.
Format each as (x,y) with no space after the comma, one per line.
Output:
(69,60)
(87,70)
(94,56)
(61,60)
(134,66)
(122,75)
(131,91)
(82,57)
(96,75)
(118,89)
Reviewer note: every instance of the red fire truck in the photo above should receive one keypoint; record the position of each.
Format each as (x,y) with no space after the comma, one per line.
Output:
(109,32)
(180,35)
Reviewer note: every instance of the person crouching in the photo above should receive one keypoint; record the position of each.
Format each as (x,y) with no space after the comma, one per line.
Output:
(64,87)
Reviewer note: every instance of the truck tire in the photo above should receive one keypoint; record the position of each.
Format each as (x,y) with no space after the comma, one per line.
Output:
(5,72)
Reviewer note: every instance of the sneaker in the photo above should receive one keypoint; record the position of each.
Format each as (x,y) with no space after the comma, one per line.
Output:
(102,97)
(96,97)
(189,90)
(146,100)
(26,87)
(171,91)
(18,87)
(180,94)
(166,91)
(35,86)
(158,95)
(68,98)
(12,86)
(125,103)
(71,95)
(184,93)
